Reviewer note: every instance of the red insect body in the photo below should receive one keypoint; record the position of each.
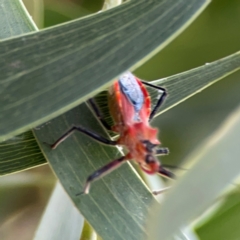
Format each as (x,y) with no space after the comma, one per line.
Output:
(133,131)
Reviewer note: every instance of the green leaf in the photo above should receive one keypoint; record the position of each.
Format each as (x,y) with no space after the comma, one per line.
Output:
(14,19)
(61,220)
(213,170)
(75,60)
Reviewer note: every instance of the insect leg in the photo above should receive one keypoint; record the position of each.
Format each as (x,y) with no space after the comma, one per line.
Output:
(98,114)
(101,172)
(160,191)
(161,151)
(167,174)
(164,172)
(86,132)
(160,100)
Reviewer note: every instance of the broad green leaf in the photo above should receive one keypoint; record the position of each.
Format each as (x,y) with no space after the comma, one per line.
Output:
(46,73)
(61,220)
(211,171)
(14,19)
(118,203)
(179,87)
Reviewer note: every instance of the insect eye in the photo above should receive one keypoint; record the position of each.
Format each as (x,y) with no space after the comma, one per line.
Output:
(149,146)
(149,159)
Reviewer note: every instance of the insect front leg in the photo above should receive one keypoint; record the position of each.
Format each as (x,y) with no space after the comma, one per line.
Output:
(87,132)
(160,100)
(101,172)
(164,172)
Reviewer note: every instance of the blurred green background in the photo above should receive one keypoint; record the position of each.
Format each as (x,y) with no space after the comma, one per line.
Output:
(215,34)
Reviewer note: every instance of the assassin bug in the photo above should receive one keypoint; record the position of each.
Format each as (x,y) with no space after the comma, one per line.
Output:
(130,107)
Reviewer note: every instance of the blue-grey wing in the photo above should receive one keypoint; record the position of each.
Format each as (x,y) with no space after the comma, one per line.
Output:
(131,89)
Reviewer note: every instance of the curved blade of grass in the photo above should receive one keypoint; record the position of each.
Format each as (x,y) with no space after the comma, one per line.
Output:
(46,73)
(14,19)
(184,85)
(217,164)
(118,203)
(61,220)
(180,87)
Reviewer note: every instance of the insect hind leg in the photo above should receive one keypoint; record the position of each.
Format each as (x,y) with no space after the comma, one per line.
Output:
(160,101)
